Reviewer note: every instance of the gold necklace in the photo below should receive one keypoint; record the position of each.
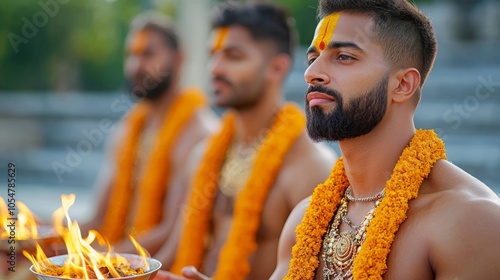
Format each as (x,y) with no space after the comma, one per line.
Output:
(237,167)
(340,248)
(378,196)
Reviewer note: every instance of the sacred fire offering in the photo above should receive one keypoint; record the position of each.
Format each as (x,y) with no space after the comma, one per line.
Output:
(83,261)
(20,230)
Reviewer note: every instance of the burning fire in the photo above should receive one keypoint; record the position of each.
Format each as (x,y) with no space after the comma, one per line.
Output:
(83,261)
(25,222)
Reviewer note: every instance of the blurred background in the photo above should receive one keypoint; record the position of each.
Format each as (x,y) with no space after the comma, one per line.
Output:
(61,76)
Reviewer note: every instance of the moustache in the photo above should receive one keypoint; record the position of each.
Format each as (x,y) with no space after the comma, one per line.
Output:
(222,79)
(328,91)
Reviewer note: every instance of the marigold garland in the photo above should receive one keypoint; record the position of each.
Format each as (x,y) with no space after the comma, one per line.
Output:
(413,166)
(241,242)
(152,185)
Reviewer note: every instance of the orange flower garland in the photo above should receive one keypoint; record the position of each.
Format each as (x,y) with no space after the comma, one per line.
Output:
(241,242)
(153,183)
(413,166)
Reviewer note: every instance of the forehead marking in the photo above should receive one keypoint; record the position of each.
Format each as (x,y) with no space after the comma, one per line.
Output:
(220,38)
(139,41)
(325,30)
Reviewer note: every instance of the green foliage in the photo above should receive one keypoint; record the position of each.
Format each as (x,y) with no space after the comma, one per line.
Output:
(78,45)
(64,44)
(305,14)
(303,11)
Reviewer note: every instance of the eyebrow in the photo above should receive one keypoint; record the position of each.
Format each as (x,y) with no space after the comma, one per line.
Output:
(336,45)
(227,48)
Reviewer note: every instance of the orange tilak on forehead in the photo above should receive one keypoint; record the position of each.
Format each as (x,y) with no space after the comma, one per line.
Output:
(220,36)
(324,31)
(139,42)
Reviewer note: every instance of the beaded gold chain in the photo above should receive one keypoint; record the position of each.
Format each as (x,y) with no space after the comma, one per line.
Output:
(378,196)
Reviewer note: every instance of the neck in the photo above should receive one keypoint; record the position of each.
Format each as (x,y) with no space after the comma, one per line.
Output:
(252,123)
(370,159)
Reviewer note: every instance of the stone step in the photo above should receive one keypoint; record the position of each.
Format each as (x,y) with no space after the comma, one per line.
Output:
(56,167)
(70,105)
(455,119)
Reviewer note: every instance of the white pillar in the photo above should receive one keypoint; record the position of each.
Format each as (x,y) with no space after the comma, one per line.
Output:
(193,24)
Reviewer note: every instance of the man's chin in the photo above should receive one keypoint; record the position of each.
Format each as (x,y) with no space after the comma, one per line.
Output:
(222,100)
(323,109)
(221,103)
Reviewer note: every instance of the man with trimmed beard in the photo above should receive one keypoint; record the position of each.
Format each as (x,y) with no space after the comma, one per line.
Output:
(393,207)
(144,183)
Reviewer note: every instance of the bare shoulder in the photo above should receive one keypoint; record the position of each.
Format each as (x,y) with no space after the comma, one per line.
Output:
(310,151)
(296,216)
(196,155)
(450,186)
(288,239)
(203,123)
(306,165)
(463,222)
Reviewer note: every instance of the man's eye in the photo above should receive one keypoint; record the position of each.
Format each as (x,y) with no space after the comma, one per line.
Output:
(148,53)
(310,60)
(344,57)
(234,55)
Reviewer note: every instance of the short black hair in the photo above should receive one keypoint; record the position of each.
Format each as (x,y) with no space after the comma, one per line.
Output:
(265,21)
(404,32)
(157,22)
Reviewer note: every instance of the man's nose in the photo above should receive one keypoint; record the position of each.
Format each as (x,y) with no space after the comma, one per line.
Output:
(316,74)
(216,65)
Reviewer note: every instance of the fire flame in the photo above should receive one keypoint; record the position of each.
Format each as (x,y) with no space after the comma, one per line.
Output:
(82,258)
(25,222)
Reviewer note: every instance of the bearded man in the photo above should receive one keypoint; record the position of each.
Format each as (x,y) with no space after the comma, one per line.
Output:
(393,207)
(144,183)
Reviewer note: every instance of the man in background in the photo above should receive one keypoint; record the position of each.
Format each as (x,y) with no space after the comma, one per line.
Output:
(260,164)
(141,187)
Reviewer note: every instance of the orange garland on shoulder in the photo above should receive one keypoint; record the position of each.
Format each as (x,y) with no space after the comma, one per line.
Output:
(413,166)
(152,185)
(241,242)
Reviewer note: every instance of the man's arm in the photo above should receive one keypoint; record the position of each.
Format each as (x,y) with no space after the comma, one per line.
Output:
(184,162)
(288,239)
(470,249)
(103,184)
(309,166)
(154,239)
(188,273)
(166,253)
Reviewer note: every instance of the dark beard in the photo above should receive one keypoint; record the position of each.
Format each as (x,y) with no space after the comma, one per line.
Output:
(154,91)
(360,116)
(243,96)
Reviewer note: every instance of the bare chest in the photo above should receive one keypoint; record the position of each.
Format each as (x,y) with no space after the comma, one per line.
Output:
(272,218)
(271,221)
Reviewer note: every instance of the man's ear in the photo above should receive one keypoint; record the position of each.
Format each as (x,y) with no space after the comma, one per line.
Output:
(279,66)
(406,83)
